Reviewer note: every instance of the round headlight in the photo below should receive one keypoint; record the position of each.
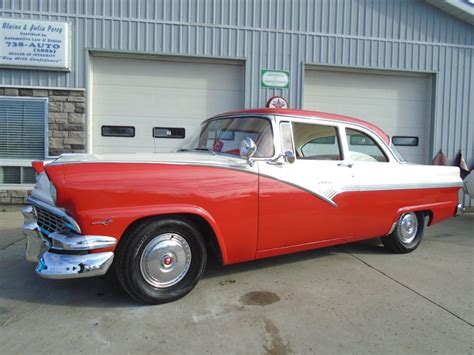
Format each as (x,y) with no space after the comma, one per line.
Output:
(53,192)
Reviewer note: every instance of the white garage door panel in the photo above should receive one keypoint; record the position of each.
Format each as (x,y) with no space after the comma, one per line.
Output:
(399,104)
(116,101)
(397,87)
(151,93)
(363,108)
(144,73)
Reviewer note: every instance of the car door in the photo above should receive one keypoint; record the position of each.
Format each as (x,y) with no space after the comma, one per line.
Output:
(376,181)
(297,206)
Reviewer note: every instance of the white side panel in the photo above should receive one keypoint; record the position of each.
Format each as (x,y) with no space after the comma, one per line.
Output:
(319,178)
(152,93)
(326,179)
(400,105)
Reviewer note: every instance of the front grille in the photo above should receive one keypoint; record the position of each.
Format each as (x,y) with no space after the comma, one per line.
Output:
(49,222)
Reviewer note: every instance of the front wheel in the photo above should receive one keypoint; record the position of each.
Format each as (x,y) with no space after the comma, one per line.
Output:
(160,261)
(407,234)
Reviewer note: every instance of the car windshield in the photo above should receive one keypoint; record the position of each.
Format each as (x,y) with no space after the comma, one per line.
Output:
(224,135)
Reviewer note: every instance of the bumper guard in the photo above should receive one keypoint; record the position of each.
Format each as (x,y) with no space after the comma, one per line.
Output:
(460,209)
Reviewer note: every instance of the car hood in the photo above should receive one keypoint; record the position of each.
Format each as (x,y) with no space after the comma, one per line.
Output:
(198,157)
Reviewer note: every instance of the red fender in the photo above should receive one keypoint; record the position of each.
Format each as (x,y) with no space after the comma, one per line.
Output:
(122,218)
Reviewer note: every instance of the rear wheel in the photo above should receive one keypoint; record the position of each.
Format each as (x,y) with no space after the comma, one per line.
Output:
(407,234)
(160,261)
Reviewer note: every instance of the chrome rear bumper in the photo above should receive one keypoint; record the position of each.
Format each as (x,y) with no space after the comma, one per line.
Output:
(65,255)
(460,209)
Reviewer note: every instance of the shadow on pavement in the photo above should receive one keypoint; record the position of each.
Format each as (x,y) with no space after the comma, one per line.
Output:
(20,283)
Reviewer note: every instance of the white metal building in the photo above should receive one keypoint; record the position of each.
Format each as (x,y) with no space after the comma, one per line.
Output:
(128,75)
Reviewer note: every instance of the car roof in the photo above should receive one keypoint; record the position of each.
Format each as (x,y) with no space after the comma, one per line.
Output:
(309,115)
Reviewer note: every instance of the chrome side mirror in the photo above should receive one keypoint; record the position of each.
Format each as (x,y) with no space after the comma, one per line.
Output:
(247,148)
(289,156)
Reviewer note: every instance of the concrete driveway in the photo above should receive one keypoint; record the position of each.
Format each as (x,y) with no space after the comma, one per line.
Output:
(351,299)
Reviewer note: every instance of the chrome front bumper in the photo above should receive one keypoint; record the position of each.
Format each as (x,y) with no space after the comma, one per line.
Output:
(65,255)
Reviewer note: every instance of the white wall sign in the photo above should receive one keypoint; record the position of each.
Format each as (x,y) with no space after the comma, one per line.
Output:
(34,43)
(275,78)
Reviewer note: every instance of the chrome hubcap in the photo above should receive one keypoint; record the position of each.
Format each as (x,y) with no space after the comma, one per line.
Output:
(165,260)
(408,227)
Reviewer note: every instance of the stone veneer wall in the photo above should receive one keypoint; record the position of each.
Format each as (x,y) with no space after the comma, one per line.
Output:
(66,127)
(13,197)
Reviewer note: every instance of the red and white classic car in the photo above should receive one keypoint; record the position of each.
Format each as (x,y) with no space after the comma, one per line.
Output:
(248,185)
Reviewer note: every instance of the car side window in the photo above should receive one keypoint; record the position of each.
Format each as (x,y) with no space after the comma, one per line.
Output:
(364,148)
(316,142)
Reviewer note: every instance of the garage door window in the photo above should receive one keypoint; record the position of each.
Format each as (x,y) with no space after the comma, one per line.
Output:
(22,138)
(364,148)
(118,131)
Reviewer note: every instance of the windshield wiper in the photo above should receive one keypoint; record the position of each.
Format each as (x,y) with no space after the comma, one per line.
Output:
(210,150)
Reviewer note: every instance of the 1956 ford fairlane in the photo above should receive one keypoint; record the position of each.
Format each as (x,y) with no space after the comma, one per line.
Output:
(248,185)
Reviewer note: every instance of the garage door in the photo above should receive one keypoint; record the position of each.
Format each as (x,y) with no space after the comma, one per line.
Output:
(399,104)
(134,100)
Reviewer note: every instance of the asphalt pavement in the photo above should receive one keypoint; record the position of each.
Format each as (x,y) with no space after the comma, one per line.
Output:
(354,298)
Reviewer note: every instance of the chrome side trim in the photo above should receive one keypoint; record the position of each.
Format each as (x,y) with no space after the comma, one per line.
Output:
(55,210)
(423,185)
(330,194)
(460,210)
(76,242)
(63,266)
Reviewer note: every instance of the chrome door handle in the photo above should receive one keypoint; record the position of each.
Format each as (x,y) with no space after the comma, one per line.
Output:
(345,165)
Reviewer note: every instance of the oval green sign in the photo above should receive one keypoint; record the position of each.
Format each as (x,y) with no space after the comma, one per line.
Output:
(279,79)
